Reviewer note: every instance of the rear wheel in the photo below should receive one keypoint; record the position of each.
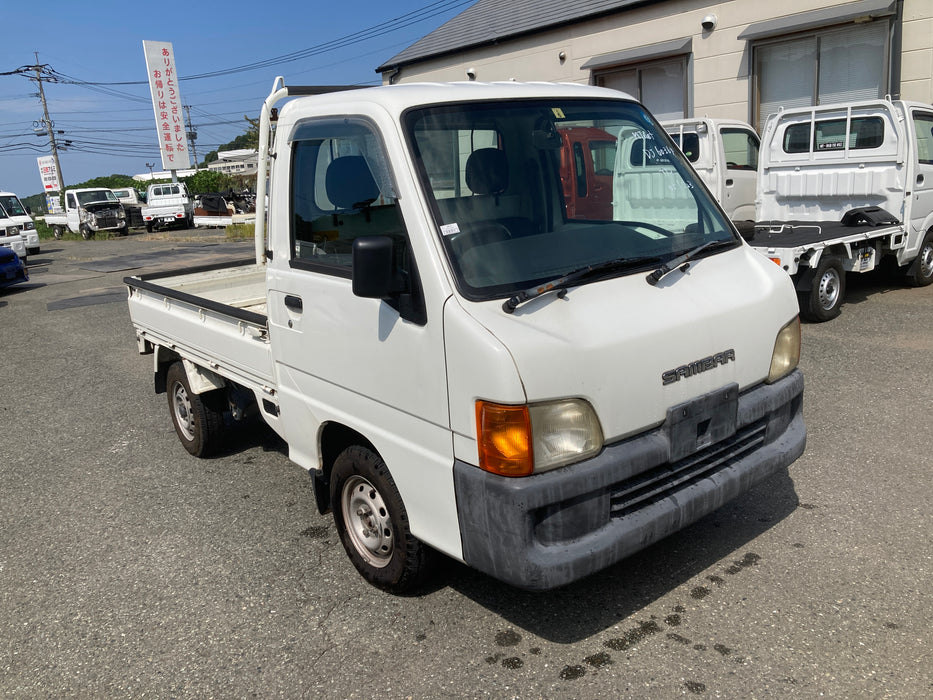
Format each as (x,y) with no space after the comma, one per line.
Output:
(827,290)
(57,232)
(373,523)
(198,422)
(920,272)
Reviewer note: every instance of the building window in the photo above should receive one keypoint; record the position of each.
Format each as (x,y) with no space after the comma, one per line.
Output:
(660,85)
(830,66)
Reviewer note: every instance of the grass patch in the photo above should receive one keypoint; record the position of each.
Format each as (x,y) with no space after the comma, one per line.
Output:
(240,232)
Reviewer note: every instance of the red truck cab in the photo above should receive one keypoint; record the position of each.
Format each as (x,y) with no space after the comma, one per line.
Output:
(586,160)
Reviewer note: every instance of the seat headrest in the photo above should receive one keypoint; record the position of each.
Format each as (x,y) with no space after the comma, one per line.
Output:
(487,171)
(349,182)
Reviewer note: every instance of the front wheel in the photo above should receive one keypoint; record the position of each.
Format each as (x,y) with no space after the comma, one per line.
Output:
(373,524)
(920,272)
(823,300)
(198,423)
(86,233)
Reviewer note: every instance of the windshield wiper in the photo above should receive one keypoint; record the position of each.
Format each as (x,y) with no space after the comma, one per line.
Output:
(682,261)
(560,284)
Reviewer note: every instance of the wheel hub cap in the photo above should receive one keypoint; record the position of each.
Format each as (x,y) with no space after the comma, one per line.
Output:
(367,521)
(829,289)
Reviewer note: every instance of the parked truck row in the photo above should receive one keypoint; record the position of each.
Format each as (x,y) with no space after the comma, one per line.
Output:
(830,190)
(467,361)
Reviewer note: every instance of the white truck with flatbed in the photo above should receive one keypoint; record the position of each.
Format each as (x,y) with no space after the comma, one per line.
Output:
(87,211)
(167,204)
(842,187)
(463,367)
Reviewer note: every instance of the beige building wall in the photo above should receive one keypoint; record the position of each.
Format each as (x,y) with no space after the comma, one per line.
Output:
(720,60)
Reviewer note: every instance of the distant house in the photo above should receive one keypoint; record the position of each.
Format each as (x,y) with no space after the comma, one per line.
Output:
(741,59)
(244,161)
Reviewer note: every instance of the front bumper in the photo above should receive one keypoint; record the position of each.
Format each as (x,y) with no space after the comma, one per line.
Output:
(547,530)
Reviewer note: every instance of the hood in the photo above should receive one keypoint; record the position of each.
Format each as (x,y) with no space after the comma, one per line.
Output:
(610,342)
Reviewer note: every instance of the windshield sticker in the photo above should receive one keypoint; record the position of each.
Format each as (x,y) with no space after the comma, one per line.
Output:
(449,229)
(558,113)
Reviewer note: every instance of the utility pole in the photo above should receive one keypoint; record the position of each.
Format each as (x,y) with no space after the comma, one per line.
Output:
(48,123)
(192,136)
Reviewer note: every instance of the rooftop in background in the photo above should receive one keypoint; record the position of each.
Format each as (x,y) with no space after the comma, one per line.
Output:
(489,21)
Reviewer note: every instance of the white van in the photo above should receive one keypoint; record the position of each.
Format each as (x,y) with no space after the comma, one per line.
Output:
(14,215)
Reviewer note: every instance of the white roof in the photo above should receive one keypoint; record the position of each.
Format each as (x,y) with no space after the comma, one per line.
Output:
(397,98)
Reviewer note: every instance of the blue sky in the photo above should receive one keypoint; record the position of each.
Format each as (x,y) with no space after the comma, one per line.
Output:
(112,127)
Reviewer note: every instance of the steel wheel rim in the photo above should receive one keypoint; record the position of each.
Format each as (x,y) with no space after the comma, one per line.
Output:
(183,415)
(366,519)
(829,289)
(926,260)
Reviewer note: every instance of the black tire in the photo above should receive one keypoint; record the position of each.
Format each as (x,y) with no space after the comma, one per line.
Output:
(86,233)
(148,227)
(827,290)
(373,523)
(123,230)
(57,232)
(920,272)
(198,422)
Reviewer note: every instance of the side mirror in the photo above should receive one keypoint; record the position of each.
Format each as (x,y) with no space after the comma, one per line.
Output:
(374,274)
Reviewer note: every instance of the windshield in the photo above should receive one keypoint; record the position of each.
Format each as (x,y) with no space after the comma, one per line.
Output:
(96,196)
(519,200)
(11,204)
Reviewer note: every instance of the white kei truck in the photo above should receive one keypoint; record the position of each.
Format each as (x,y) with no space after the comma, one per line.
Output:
(724,152)
(167,204)
(842,187)
(87,211)
(462,367)
(14,217)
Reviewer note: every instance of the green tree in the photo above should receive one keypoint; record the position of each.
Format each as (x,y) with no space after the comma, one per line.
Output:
(205,181)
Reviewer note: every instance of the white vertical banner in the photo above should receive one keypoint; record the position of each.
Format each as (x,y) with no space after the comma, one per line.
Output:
(166,103)
(49,174)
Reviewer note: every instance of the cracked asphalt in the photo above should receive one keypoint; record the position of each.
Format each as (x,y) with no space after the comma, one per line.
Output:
(129,568)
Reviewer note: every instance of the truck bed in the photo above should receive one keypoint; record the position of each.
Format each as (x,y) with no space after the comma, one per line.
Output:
(794,234)
(214,316)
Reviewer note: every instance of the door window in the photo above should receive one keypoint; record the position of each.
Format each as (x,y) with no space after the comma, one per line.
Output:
(923,125)
(741,149)
(341,190)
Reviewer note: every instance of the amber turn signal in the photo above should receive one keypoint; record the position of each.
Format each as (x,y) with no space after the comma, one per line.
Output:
(504,439)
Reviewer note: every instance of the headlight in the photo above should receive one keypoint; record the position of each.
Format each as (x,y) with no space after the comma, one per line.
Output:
(29,226)
(786,353)
(522,440)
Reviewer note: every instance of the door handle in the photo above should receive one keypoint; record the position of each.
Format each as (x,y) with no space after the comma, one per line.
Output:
(920,179)
(730,182)
(293,302)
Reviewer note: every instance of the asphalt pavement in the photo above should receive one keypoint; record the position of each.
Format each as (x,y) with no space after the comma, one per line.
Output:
(129,568)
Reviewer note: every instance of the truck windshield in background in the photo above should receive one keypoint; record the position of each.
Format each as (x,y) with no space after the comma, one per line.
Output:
(91,196)
(12,206)
(496,177)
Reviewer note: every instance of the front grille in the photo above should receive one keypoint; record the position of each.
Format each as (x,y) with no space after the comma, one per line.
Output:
(107,221)
(661,481)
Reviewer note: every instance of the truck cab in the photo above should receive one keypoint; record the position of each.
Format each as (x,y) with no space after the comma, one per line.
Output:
(87,211)
(725,155)
(167,204)
(586,161)
(13,215)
